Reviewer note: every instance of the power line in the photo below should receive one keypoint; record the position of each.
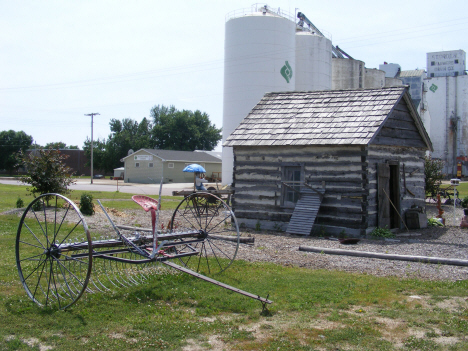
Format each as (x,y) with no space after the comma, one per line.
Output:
(218,63)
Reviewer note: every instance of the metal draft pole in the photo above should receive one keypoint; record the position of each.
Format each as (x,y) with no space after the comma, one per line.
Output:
(92,146)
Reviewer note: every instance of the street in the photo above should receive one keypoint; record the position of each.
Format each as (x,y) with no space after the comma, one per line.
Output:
(113,185)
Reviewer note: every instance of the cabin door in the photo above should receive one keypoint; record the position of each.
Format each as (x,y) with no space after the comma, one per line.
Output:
(388,183)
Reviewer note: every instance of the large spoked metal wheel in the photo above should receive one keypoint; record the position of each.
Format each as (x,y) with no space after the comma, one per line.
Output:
(218,233)
(53,251)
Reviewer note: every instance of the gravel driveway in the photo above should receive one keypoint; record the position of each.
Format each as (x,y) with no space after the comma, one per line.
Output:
(448,242)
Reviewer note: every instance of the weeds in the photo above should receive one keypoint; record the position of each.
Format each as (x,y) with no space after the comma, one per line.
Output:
(382,233)
(433,222)
(258,226)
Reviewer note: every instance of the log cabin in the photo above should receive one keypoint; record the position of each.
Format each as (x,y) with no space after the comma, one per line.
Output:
(335,162)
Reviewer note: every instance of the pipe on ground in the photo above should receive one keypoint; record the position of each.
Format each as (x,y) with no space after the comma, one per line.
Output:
(421,259)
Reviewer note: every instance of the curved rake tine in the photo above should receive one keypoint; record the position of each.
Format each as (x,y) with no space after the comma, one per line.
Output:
(126,273)
(96,276)
(76,274)
(62,272)
(107,275)
(73,274)
(92,282)
(116,270)
(138,274)
(129,273)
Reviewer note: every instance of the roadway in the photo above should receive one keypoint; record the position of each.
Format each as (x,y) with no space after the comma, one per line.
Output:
(113,185)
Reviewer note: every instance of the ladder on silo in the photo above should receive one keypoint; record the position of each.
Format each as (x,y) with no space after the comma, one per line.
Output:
(305,212)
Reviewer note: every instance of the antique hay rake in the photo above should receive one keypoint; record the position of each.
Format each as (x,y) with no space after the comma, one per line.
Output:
(58,259)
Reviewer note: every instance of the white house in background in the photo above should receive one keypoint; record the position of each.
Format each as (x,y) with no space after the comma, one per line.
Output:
(150,165)
(119,172)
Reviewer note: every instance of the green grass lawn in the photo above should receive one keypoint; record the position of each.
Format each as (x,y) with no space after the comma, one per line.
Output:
(312,309)
(9,195)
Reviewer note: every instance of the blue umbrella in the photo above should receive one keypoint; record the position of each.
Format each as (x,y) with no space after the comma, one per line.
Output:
(194,168)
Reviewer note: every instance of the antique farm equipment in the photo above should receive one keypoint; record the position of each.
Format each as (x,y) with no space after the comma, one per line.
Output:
(58,259)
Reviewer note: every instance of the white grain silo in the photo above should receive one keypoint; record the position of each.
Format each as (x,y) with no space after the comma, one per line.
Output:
(313,61)
(259,57)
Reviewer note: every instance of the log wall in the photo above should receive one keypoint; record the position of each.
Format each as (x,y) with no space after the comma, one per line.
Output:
(411,167)
(348,174)
(342,171)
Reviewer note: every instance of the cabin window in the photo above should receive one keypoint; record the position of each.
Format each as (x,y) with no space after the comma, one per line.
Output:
(151,165)
(292,177)
(137,164)
(170,165)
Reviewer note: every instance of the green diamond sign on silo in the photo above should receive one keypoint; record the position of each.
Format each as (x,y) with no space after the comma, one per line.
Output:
(433,88)
(286,71)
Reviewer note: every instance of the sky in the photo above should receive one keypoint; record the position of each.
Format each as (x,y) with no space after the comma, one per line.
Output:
(61,60)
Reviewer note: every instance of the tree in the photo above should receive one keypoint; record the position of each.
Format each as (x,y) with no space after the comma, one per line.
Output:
(60,145)
(56,145)
(125,135)
(46,172)
(169,129)
(183,130)
(433,173)
(11,143)
(99,151)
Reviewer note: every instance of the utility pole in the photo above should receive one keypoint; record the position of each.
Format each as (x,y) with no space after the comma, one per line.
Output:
(92,147)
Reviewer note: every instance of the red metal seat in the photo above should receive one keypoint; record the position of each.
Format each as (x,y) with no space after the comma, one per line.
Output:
(148,204)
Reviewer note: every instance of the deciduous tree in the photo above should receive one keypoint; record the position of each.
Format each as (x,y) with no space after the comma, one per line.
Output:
(183,130)
(46,172)
(11,143)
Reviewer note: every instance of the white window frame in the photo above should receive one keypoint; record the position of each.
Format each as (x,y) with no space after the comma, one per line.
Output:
(170,165)
(137,164)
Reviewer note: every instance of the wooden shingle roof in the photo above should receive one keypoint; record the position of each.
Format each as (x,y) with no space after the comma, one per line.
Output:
(332,117)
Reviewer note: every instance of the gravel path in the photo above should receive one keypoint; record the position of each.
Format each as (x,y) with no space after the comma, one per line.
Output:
(449,242)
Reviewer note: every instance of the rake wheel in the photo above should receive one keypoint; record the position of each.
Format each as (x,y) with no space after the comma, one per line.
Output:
(218,232)
(51,232)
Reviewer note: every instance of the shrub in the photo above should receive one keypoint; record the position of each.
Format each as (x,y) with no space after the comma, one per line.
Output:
(19,202)
(433,174)
(46,172)
(37,206)
(86,204)
(382,233)
(464,202)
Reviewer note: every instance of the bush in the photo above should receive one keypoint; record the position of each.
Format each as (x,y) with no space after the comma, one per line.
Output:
(382,233)
(46,172)
(37,206)
(19,202)
(86,204)
(433,174)
(464,202)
